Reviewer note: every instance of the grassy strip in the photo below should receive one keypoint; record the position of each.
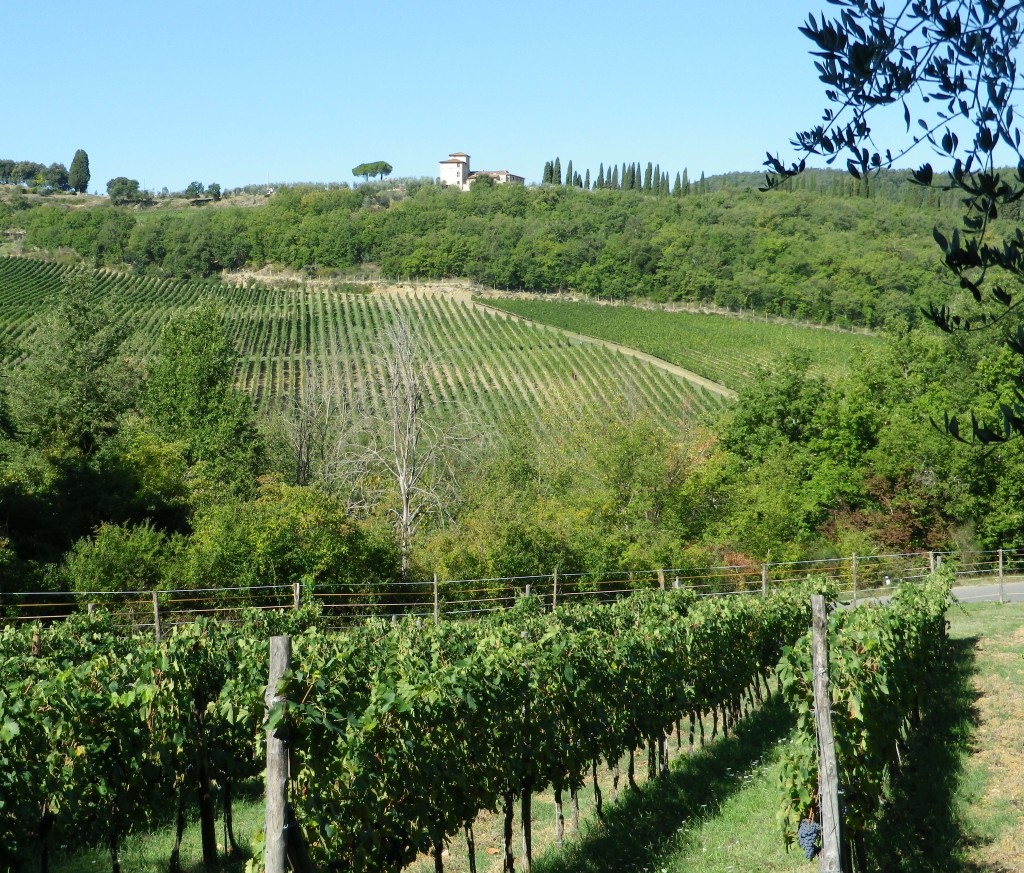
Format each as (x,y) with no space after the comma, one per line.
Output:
(150,851)
(669,818)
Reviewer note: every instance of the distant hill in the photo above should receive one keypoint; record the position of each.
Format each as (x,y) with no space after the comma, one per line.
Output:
(825,248)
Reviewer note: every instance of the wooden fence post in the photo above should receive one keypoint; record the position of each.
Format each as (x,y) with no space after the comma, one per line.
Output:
(854,578)
(437,602)
(156,617)
(527,589)
(296,594)
(1002,577)
(828,775)
(764,580)
(554,589)
(275,850)
(931,562)
(661,578)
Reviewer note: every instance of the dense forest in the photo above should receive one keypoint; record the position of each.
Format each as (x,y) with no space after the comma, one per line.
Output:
(823,248)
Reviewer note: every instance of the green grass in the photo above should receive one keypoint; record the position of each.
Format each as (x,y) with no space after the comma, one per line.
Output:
(150,851)
(723,348)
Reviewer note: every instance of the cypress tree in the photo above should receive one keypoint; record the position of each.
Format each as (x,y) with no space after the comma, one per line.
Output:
(677,189)
(686,182)
(702,186)
(556,173)
(547,173)
(586,180)
(615,177)
(664,183)
(577,180)
(648,177)
(623,178)
(569,178)
(600,176)
(78,175)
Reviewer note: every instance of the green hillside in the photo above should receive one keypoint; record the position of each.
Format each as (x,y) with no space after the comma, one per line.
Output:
(723,348)
(495,366)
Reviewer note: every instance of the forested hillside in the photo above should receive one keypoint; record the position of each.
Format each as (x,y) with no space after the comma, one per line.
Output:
(826,251)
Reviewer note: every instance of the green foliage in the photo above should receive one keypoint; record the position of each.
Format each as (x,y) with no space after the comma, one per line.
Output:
(962,57)
(67,396)
(374,168)
(190,398)
(287,534)
(120,558)
(78,175)
(880,659)
(123,190)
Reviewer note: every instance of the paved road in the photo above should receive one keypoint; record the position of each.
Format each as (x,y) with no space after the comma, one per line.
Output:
(1012,592)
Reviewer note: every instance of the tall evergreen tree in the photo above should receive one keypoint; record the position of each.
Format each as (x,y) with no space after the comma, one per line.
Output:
(686,182)
(615,177)
(702,186)
(664,183)
(548,170)
(569,178)
(577,180)
(600,176)
(556,172)
(677,189)
(78,175)
(624,178)
(586,180)
(648,179)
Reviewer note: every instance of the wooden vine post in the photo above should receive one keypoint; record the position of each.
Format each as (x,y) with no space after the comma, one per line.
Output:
(157,630)
(1002,578)
(828,774)
(275,850)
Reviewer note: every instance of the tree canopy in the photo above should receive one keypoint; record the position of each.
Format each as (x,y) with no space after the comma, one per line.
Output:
(374,168)
(78,175)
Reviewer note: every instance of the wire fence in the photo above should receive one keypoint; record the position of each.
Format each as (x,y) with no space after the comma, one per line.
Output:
(982,575)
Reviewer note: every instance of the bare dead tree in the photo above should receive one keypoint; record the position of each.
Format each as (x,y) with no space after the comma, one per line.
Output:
(417,439)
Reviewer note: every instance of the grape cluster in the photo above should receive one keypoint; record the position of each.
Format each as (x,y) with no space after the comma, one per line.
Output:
(807,836)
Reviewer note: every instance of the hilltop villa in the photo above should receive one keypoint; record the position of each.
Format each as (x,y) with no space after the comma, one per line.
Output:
(456,172)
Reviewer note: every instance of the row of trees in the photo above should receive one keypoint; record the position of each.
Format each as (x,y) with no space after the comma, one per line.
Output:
(55,177)
(651,179)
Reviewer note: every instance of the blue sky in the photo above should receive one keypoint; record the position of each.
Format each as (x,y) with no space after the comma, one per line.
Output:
(245,92)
